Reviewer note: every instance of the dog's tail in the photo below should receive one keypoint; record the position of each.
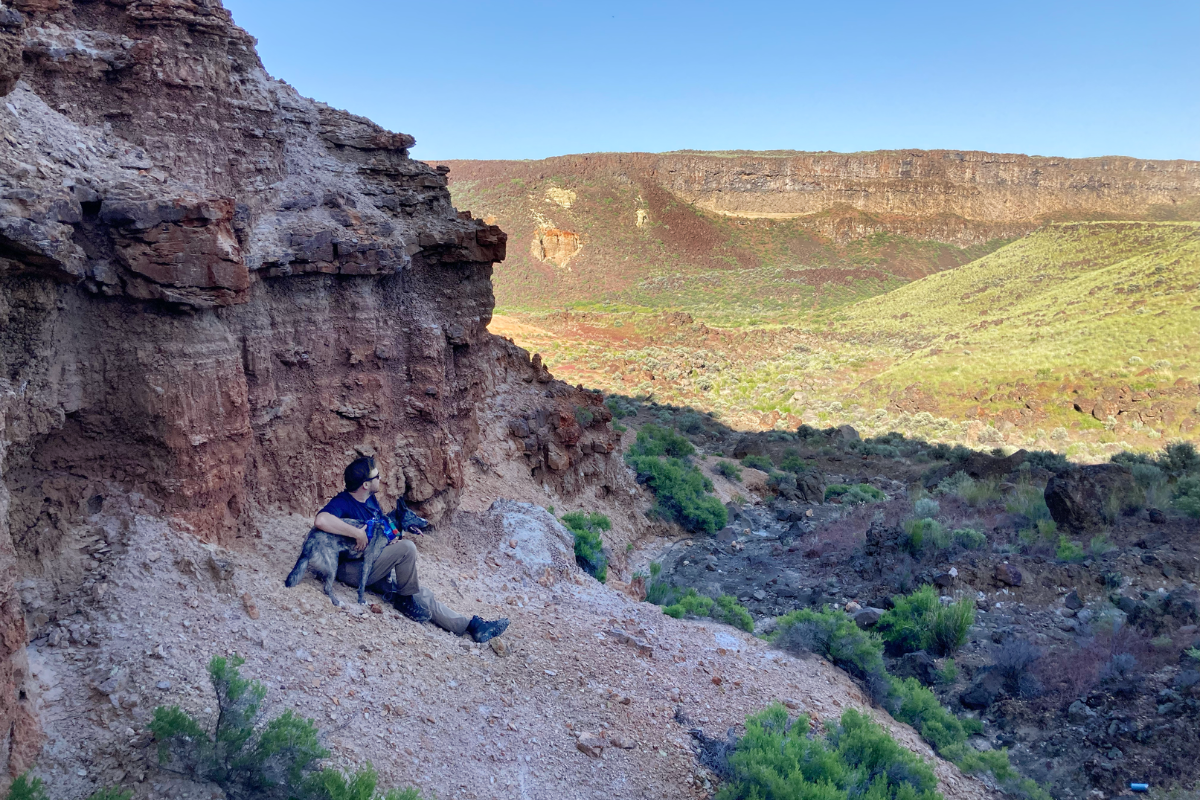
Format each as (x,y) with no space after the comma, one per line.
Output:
(301,567)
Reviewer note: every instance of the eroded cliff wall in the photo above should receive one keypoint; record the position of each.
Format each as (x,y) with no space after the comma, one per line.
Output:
(213,292)
(956,197)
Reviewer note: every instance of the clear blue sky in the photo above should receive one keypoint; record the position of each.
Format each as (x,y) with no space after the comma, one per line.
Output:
(531,80)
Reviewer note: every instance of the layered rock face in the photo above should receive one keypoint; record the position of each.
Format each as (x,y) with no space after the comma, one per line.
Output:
(213,294)
(956,197)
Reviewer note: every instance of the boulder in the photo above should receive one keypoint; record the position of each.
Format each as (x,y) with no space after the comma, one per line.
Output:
(984,692)
(919,665)
(1072,601)
(535,539)
(1086,498)
(1008,575)
(868,617)
(979,466)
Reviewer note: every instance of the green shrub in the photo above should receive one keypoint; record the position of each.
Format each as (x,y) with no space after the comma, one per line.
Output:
(725,609)
(331,784)
(913,704)
(247,759)
(778,760)
(27,788)
(925,533)
(833,636)
(969,538)
(1099,545)
(658,592)
(682,492)
(729,470)
(584,416)
(731,612)
(926,508)
(761,463)
(690,604)
(589,546)
(920,622)
(111,793)
(1186,496)
(1068,550)
(1179,458)
(954,484)
(792,462)
(1047,528)
(980,493)
(1046,459)
(856,495)
(654,440)
(948,673)
(240,757)
(1029,501)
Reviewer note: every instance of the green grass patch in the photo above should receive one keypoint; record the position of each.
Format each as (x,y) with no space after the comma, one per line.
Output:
(729,470)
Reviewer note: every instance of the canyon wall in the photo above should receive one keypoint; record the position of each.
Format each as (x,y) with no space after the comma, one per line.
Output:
(214,293)
(956,197)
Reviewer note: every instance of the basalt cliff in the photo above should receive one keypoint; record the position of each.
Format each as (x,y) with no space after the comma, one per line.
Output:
(213,291)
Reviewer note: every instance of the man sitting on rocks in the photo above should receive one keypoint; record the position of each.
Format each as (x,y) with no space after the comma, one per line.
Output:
(358,503)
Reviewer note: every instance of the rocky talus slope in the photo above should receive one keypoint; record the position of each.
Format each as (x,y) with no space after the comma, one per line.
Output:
(213,293)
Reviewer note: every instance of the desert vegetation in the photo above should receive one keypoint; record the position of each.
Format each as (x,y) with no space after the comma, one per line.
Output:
(246,757)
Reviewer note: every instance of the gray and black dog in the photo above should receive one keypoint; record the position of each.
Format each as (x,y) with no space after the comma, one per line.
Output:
(321,551)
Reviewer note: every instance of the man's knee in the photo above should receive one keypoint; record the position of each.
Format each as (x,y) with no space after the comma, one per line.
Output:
(406,550)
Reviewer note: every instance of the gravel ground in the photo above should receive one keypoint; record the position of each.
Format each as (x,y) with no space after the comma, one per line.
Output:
(426,708)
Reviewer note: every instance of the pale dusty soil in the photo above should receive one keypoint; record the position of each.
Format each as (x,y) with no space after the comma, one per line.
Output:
(427,708)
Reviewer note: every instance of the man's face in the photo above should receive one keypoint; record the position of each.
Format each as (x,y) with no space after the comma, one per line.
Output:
(373,483)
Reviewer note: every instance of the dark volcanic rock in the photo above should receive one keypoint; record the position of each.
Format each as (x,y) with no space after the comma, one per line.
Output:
(1008,575)
(979,466)
(1084,498)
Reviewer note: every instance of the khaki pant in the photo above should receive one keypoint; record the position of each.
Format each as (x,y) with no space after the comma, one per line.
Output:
(401,555)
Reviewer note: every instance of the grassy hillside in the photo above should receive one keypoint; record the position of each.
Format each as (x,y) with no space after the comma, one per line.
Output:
(643,248)
(999,351)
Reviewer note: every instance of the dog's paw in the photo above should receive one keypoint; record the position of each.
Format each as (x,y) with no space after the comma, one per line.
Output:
(336,602)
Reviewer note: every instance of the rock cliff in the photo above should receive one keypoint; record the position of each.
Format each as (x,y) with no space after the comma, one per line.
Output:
(213,292)
(955,197)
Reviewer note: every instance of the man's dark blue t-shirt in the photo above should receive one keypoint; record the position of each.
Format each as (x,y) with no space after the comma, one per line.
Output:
(344,506)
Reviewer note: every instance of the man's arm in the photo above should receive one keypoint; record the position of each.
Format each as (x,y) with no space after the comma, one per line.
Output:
(330,524)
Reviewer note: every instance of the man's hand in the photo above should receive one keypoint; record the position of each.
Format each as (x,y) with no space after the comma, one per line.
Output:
(331,524)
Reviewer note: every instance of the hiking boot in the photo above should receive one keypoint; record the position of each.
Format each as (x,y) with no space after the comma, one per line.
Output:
(385,588)
(409,606)
(482,630)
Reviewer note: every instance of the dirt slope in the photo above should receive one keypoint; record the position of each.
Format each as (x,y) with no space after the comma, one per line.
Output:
(428,709)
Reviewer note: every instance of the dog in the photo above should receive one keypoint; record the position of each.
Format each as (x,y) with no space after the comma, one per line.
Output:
(321,551)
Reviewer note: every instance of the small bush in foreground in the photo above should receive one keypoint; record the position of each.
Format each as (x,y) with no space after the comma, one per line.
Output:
(589,547)
(834,636)
(27,788)
(779,760)
(855,495)
(920,622)
(724,609)
(729,470)
(249,760)
(761,463)
(690,604)
(1029,501)
(1186,497)
(731,612)
(330,784)
(1068,550)
(969,538)
(243,761)
(926,508)
(923,533)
